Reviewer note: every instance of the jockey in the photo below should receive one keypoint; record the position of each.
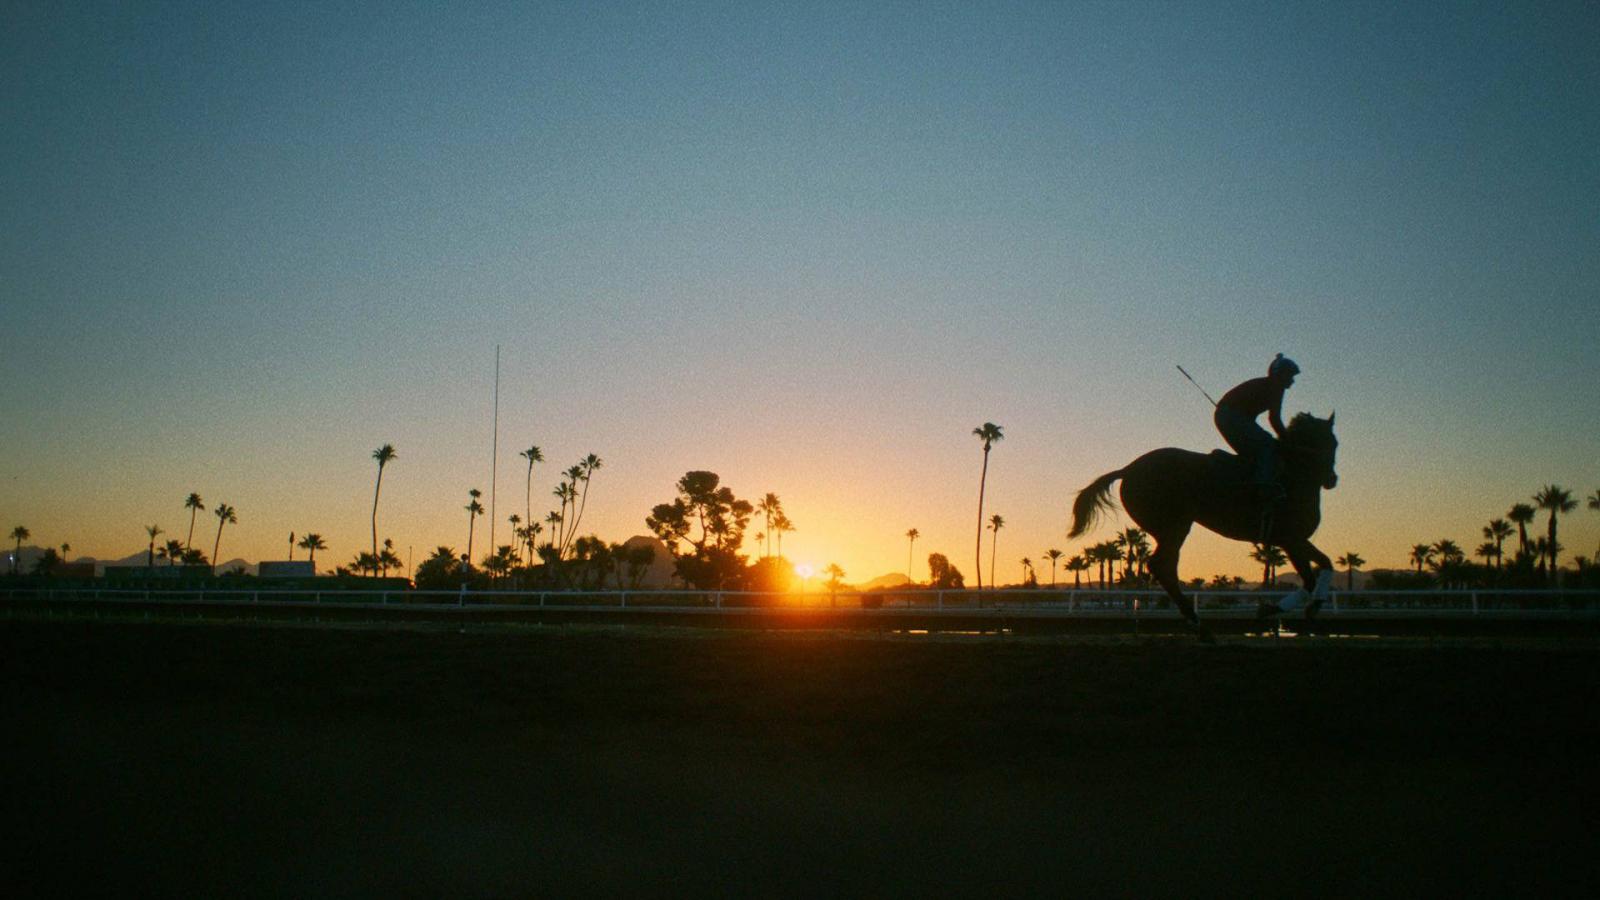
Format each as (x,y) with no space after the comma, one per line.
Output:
(1236,416)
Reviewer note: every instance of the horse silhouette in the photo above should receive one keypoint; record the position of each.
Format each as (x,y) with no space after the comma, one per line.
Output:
(1167,491)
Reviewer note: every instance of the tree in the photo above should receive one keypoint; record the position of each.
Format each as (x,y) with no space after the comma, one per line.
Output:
(769,507)
(989,433)
(1522,515)
(312,542)
(784,526)
(388,559)
(1446,560)
(47,562)
(500,562)
(384,455)
(996,522)
(474,510)
(911,536)
(586,469)
(942,575)
(1422,555)
(1270,557)
(172,552)
(19,534)
(225,516)
(532,455)
(1351,562)
(1136,550)
(1054,556)
(721,518)
(150,558)
(194,505)
(1029,578)
(1557,500)
(835,581)
(1077,565)
(1497,530)
(441,571)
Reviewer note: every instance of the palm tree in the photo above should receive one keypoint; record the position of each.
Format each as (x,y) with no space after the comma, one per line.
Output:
(996,522)
(532,455)
(516,532)
(1522,515)
(226,515)
(1136,548)
(313,542)
(554,519)
(387,559)
(1054,556)
(172,552)
(784,526)
(1027,571)
(770,507)
(1270,557)
(193,505)
(586,472)
(1556,500)
(989,433)
(1422,555)
(150,558)
(474,510)
(1351,562)
(20,534)
(912,536)
(384,455)
(1497,530)
(1077,565)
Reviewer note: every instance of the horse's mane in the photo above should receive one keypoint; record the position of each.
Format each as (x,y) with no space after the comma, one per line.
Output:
(1306,429)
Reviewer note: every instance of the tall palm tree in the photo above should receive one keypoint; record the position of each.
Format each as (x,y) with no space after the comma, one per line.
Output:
(384,455)
(1557,500)
(474,510)
(554,519)
(20,534)
(1497,530)
(1136,549)
(1351,562)
(996,522)
(989,433)
(912,536)
(1522,515)
(150,558)
(1270,557)
(194,505)
(226,515)
(784,526)
(1054,556)
(516,532)
(587,468)
(532,455)
(769,508)
(313,542)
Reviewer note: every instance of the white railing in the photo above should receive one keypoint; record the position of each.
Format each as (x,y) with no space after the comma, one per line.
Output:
(1089,602)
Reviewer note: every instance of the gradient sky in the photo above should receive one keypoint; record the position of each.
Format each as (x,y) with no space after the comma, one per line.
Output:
(808,247)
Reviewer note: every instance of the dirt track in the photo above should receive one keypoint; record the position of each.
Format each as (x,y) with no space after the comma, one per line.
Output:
(274,761)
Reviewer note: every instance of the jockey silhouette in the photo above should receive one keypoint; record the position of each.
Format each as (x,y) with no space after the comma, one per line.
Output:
(1236,416)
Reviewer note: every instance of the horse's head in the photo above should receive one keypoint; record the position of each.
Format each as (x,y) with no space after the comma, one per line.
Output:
(1310,446)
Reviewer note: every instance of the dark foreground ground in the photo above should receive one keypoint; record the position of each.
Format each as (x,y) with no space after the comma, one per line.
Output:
(141,759)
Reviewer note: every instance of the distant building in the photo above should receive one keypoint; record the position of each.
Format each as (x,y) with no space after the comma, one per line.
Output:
(295,568)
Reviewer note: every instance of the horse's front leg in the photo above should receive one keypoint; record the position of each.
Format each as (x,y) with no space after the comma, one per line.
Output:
(1316,572)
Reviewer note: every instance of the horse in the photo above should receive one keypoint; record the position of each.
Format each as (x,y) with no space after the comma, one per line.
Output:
(1167,491)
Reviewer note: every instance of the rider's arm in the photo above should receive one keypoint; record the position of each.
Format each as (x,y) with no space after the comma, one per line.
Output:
(1275,415)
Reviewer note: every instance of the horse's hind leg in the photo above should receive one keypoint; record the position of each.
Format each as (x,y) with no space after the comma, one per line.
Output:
(1164,566)
(1315,570)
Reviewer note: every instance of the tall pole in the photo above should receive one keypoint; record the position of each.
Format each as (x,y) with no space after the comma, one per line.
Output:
(494,454)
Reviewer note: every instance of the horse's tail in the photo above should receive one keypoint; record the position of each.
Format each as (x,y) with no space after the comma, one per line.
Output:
(1091,501)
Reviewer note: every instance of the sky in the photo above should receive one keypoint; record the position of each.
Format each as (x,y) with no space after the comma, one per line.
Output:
(809,247)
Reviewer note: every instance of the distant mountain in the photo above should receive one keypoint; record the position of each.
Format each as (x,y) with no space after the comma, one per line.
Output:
(884,582)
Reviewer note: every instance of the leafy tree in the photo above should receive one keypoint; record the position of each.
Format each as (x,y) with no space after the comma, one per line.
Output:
(47,563)
(1557,500)
(942,575)
(989,433)
(384,455)
(193,504)
(150,558)
(225,516)
(1351,562)
(712,521)
(441,571)
(770,574)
